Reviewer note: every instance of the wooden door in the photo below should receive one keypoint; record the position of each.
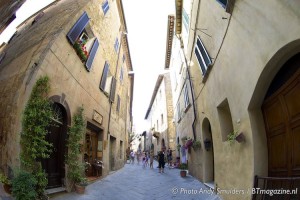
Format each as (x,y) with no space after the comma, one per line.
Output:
(282,120)
(91,145)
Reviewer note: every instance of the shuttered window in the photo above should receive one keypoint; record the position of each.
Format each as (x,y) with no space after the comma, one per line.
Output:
(186,96)
(78,27)
(113,89)
(121,74)
(105,6)
(202,56)
(118,104)
(92,54)
(116,45)
(104,76)
(223,3)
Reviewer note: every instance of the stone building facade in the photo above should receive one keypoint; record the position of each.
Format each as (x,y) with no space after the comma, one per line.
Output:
(243,59)
(45,45)
(160,115)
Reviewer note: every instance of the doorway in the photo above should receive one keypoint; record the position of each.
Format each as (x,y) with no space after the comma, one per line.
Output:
(112,156)
(281,112)
(209,176)
(54,166)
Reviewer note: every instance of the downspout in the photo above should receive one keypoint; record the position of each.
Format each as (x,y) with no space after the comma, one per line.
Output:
(188,71)
(189,76)
(110,102)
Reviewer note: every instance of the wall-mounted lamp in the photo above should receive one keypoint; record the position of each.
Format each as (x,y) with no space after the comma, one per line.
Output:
(207,144)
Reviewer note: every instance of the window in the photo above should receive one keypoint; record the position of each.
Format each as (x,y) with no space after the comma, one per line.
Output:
(116,45)
(186,20)
(186,96)
(223,3)
(162,119)
(118,103)
(178,113)
(124,58)
(107,83)
(121,74)
(105,6)
(202,56)
(83,40)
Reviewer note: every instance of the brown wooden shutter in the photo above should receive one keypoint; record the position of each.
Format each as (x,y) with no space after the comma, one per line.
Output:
(113,89)
(78,27)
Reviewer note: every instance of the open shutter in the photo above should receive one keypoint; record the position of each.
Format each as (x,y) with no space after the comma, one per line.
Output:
(113,89)
(78,27)
(104,76)
(92,54)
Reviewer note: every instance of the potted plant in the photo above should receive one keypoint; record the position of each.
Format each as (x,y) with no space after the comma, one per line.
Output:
(235,136)
(196,144)
(76,168)
(6,183)
(24,186)
(189,143)
(183,167)
(178,147)
(80,185)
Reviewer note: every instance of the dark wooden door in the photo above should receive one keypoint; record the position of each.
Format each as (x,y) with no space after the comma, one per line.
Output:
(54,165)
(282,120)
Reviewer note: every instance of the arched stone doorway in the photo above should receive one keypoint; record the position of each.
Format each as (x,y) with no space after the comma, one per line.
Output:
(259,135)
(281,111)
(54,166)
(208,176)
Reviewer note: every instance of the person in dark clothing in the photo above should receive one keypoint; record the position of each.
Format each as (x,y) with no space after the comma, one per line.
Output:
(161,162)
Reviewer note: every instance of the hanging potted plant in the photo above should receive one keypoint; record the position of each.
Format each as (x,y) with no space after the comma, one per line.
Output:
(235,136)
(196,144)
(189,143)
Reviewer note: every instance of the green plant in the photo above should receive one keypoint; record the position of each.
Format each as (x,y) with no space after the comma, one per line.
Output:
(178,146)
(35,122)
(183,166)
(196,144)
(24,186)
(4,179)
(75,167)
(184,138)
(231,136)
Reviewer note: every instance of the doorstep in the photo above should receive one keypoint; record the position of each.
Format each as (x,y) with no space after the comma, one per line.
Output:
(55,190)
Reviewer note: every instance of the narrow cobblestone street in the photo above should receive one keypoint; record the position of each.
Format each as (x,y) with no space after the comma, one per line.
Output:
(135,183)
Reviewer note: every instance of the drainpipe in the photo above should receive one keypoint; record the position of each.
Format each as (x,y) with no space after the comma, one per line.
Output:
(110,102)
(188,69)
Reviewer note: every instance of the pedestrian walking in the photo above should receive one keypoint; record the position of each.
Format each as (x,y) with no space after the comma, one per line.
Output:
(161,162)
(151,159)
(132,157)
(169,157)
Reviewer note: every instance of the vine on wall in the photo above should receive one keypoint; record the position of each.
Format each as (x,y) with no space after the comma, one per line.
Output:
(35,122)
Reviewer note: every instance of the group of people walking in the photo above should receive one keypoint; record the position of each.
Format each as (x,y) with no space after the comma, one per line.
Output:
(147,158)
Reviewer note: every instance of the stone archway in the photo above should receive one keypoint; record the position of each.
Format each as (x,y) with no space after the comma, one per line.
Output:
(257,123)
(208,176)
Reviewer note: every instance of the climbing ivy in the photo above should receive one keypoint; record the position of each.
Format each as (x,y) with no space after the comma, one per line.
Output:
(35,122)
(76,131)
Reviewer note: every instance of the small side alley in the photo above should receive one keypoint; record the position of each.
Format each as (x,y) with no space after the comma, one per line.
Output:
(136,183)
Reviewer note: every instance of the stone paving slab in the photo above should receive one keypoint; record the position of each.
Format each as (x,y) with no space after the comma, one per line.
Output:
(135,183)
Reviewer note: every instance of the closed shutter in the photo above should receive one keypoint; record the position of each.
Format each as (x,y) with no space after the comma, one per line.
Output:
(78,27)
(113,89)
(92,54)
(104,76)
(118,104)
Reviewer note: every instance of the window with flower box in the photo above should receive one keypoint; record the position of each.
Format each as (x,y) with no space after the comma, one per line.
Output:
(83,40)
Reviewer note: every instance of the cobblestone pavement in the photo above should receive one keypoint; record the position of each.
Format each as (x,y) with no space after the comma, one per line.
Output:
(135,183)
